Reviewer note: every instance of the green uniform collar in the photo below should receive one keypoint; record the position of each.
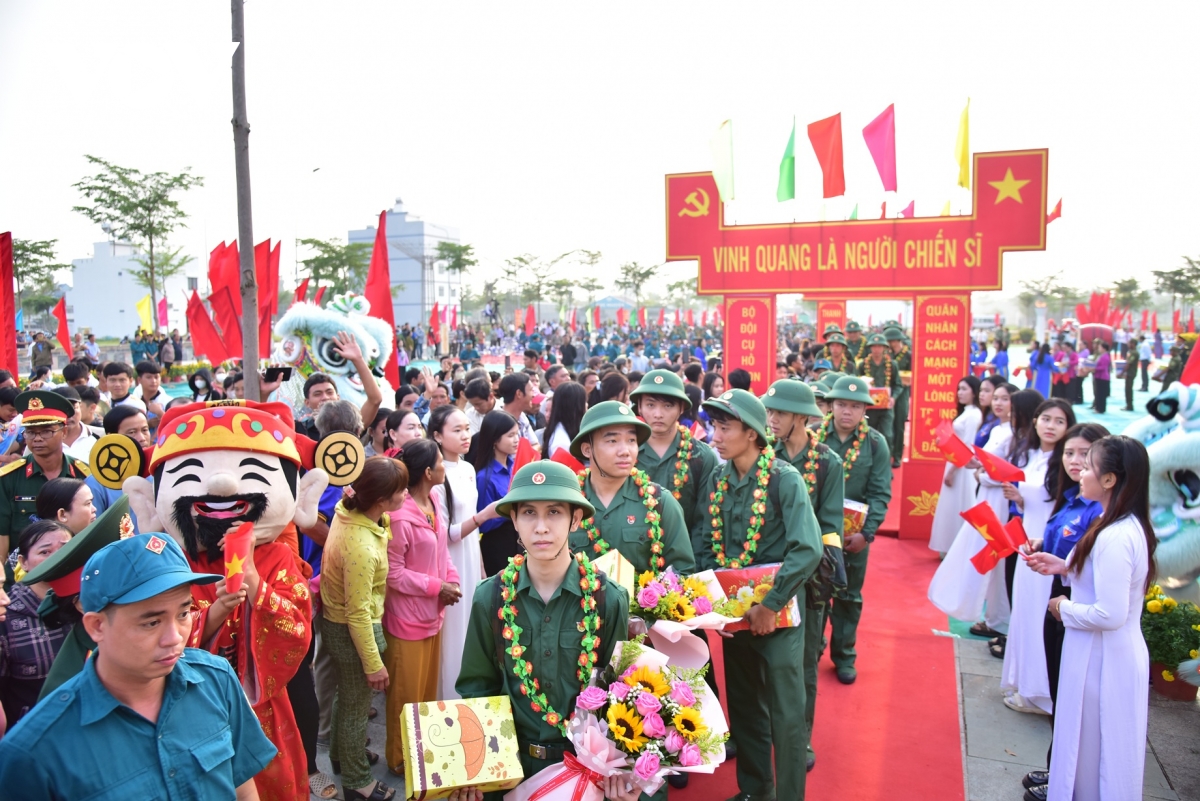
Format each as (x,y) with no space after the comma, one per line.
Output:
(569,583)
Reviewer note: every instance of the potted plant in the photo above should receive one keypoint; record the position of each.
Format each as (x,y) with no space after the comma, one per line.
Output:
(1172,632)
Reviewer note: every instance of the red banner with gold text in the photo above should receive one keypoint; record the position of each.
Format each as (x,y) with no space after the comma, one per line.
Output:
(750,339)
(830,312)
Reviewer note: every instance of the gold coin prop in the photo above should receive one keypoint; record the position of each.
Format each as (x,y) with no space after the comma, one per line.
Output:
(341,455)
(114,458)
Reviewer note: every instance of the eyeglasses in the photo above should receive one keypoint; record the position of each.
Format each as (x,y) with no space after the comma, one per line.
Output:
(42,432)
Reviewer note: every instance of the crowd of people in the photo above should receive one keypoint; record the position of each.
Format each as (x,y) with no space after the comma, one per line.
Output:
(675,464)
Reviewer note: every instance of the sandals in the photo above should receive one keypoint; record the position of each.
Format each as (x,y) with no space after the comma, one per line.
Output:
(381,792)
(996,647)
(981,629)
(372,758)
(322,785)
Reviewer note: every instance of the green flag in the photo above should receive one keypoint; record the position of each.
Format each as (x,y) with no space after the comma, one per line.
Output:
(854,214)
(787,169)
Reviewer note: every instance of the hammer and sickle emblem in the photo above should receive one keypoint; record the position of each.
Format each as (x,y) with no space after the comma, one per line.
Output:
(341,455)
(695,204)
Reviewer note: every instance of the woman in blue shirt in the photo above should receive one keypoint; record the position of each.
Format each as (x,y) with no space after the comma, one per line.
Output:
(1073,516)
(1000,360)
(1042,367)
(495,446)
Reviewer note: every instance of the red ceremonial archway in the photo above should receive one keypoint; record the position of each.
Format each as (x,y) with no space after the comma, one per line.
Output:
(934,262)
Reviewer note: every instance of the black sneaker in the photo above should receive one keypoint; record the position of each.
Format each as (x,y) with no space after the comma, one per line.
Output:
(1039,792)
(1034,778)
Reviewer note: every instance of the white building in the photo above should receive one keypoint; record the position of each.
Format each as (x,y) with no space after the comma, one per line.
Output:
(103,296)
(412,248)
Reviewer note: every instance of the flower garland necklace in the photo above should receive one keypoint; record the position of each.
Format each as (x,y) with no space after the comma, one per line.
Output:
(648,493)
(811,458)
(758,510)
(860,435)
(683,457)
(887,366)
(589,644)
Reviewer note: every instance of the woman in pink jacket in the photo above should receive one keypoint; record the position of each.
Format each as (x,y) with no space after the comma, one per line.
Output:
(421,583)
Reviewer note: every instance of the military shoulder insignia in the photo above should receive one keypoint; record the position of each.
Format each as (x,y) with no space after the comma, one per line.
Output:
(11,466)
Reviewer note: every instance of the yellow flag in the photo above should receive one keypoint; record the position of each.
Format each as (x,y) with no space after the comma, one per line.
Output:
(144,307)
(962,148)
(722,153)
(946,209)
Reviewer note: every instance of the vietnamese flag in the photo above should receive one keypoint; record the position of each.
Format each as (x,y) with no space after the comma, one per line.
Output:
(564,457)
(983,519)
(826,138)
(998,469)
(953,448)
(238,546)
(526,454)
(698,430)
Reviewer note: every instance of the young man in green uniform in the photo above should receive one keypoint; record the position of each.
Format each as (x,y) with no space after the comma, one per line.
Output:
(881,368)
(854,339)
(789,405)
(633,514)
(903,358)
(868,479)
(835,351)
(538,604)
(44,415)
(764,667)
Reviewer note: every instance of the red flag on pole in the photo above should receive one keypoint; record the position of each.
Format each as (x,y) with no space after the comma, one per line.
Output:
(205,339)
(262,274)
(691,318)
(826,138)
(530,320)
(225,314)
(526,454)
(1175,321)
(996,322)
(320,294)
(596,316)
(1145,318)
(8,312)
(378,292)
(953,448)
(883,210)
(1154,321)
(564,457)
(162,312)
(454,316)
(677,317)
(662,316)
(998,469)
(434,320)
(900,319)
(301,292)
(642,317)
(573,325)
(1055,213)
(63,335)
(704,319)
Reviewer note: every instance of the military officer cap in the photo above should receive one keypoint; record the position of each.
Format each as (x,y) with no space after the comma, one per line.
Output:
(876,339)
(134,569)
(822,364)
(791,396)
(745,407)
(63,569)
(41,408)
(603,415)
(835,337)
(853,327)
(832,328)
(664,383)
(545,481)
(850,388)
(893,333)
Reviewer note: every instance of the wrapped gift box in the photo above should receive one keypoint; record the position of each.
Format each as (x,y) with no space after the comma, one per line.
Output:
(462,743)
(618,570)
(906,377)
(854,517)
(882,397)
(744,584)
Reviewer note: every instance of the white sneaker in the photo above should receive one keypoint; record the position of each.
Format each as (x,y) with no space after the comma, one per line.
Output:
(1018,704)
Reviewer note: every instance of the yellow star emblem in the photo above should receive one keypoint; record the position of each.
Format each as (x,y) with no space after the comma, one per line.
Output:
(234,566)
(983,531)
(1009,187)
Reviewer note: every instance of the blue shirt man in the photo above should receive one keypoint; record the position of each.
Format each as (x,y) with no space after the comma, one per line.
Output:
(147,718)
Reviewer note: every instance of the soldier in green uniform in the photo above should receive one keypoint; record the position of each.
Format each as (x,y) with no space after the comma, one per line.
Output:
(63,571)
(835,351)
(819,388)
(903,358)
(882,369)
(868,479)
(761,515)
(672,457)
(854,339)
(539,605)
(44,415)
(633,514)
(789,405)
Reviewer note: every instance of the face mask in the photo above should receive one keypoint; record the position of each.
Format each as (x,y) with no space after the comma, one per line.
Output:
(201,383)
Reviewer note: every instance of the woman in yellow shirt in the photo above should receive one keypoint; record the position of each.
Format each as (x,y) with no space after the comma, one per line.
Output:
(354,572)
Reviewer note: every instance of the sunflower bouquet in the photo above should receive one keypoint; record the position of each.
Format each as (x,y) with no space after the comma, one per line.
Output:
(666,596)
(742,588)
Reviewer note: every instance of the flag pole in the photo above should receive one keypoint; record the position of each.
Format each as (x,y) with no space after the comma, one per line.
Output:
(241,161)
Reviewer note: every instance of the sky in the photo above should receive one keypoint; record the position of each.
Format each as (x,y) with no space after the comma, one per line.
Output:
(541,128)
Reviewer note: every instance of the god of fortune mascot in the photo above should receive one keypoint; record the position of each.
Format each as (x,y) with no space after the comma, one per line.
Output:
(218,467)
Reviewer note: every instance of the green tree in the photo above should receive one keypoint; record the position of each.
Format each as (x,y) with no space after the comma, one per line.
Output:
(531,276)
(682,292)
(34,265)
(591,286)
(1127,293)
(170,264)
(1182,283)
(633,278)
(457,258)
(341,267)
(136,207)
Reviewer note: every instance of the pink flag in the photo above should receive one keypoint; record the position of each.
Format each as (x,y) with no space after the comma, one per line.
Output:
(880,135)
(907,211)
(162,312)
(454,316)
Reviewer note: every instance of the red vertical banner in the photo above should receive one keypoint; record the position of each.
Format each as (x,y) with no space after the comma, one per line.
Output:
(940,358)
(750,338)
(8,311)
(830,312)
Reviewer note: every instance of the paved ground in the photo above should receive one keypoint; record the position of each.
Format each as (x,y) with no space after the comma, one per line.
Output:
(1000,746)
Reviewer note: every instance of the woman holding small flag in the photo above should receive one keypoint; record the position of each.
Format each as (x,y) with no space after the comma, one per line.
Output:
(958,485)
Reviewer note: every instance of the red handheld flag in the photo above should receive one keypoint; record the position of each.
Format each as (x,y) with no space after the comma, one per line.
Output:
(1014,529)
(998,469)
(237,550)
(301,292)
(953,448)
(826,138)
(984,520)
(526,453)
(564,457)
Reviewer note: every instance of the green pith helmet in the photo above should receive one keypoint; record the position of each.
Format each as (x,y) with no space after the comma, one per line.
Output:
(891,324)
(827,380)
(818,391)
(835,337)
(876,339)
(832,328)
(545,481)
(791,396)
(893,333)
(664,383)
(853,327)
(744,406)
(850,388)
(63,569)
(603,415)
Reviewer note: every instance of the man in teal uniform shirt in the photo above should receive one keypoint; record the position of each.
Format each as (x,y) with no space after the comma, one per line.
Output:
(147,718)
(764,667)
(633,514)
(789,405)
(903,358)
(868,479)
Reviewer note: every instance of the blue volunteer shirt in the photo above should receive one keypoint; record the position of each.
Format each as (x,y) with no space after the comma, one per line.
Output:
(81,743)
(1070,523)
